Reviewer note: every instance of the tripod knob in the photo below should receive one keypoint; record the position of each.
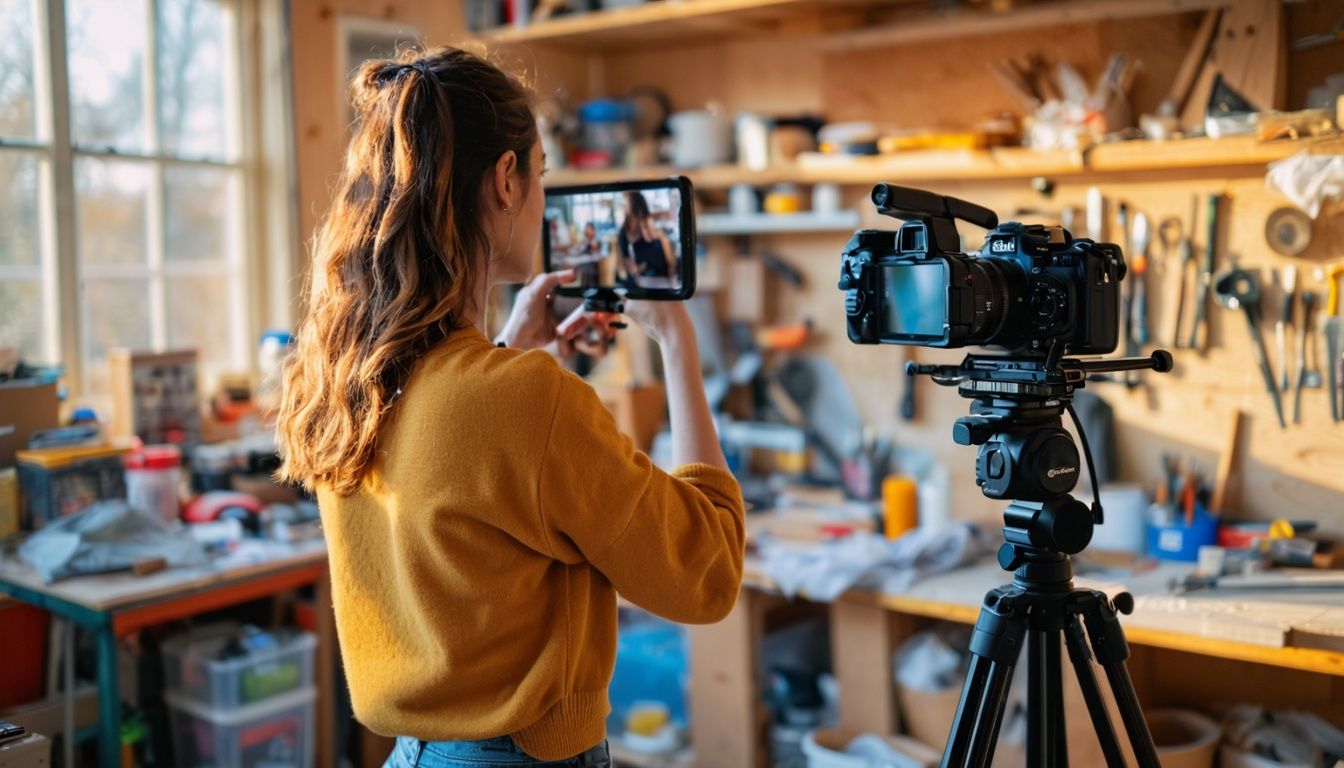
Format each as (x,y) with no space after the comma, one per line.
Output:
(974,430)
(1124,603)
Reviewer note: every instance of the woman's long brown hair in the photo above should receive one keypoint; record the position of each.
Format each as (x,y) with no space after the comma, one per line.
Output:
(397,258)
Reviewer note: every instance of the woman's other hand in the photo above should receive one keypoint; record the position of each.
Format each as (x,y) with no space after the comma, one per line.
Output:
(532,321)
(664,321)
(587,332)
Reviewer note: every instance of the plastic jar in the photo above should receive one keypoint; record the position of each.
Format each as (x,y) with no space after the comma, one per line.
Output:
(607,132)
(271,370)
(153,480)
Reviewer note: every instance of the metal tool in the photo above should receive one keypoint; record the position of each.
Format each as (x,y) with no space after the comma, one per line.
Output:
(1139,267)
(1308,377)
(1204,291)
(1332,326)
(1285,322)
(1127,294)
(1096,214)
(1187,256)
(1240,289)
(1288,231)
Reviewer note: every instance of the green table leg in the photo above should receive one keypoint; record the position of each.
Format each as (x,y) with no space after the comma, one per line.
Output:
(109,698)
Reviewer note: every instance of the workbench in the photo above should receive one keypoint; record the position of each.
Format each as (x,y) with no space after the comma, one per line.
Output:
(114,606)
(1200,650)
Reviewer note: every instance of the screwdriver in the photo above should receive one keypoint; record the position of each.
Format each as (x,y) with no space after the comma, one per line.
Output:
(1204,291)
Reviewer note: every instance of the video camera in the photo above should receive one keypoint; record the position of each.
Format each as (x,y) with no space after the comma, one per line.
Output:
(1028,288)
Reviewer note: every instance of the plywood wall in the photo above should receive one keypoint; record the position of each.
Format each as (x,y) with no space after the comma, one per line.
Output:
(1297,472)
(321,117)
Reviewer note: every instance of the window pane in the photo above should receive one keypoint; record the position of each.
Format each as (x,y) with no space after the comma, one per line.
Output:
(199,205)
(21,318)
(111,196)
(200,315)
(106,40)
(116,314)
(17,62)
(193,53)
(20,233)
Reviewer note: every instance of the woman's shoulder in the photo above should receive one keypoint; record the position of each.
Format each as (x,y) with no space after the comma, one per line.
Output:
(482,375)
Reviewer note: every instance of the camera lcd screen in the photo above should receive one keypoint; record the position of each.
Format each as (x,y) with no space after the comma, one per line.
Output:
(914,300)
(637,238)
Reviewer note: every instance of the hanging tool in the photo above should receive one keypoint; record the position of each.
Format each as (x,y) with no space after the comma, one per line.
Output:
(1139,266)
(1285,322)
(1288,232)
(908,396)
(1128,293)
(1096,215)
(1333,328)
(1308,377)
(1187,257)
(1204,291)
(1239,289)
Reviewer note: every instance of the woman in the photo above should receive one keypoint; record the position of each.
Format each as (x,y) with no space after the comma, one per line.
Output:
(644,247)
(480,507)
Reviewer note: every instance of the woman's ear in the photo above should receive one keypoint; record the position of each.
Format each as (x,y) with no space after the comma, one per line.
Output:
(506,181)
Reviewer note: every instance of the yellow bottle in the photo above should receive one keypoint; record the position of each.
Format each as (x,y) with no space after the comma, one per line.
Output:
(900,505)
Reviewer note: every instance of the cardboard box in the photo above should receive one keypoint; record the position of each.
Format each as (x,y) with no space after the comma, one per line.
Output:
(25,407)
(9,501)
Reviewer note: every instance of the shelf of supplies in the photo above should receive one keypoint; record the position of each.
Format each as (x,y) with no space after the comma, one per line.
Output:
(1156,157)
(845,24)
(770,224)
(685,21)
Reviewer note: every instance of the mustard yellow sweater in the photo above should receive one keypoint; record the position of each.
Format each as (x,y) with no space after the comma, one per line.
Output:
(475,572)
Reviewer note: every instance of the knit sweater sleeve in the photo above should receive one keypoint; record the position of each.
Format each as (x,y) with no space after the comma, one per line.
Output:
(672,544)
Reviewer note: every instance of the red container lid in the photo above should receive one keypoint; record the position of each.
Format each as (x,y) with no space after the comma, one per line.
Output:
(155,457)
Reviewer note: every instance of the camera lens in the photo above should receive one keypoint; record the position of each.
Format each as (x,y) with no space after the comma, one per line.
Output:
(993,284)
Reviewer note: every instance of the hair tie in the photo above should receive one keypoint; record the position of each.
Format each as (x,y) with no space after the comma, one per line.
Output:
(419,66)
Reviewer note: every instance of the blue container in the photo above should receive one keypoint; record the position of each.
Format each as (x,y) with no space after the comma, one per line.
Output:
(1181,542)
(651,665)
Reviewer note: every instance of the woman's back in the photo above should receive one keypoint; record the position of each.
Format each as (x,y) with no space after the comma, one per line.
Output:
(475,569)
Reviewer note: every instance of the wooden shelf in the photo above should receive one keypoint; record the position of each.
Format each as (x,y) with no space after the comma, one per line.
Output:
(669,21)
(846,24)
(1164,157)
(769,224)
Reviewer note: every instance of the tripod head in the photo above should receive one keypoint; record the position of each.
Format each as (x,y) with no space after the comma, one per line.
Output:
(1025,454)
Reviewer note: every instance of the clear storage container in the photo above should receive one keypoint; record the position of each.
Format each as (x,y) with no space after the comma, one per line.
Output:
(193,669)
(276,733)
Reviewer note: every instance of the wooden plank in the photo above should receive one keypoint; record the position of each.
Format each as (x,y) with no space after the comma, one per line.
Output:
(861,645)
(726,716)
(1031,16)
(1170,158)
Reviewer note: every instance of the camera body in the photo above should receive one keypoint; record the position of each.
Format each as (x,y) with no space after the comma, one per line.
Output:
(1028,288)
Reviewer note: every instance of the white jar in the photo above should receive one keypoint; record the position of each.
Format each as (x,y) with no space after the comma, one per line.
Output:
(153,481)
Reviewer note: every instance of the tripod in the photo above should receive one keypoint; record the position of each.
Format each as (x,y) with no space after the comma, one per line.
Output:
(1026,455)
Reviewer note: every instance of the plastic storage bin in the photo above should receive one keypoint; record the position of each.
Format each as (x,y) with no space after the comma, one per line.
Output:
(277,733)
(62,481)
(651,665)
(193,670)
(1181,542)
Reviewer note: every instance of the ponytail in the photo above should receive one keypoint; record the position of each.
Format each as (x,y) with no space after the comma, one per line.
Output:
(397,257)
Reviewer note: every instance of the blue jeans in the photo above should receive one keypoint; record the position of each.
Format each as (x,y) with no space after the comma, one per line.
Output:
(488,753)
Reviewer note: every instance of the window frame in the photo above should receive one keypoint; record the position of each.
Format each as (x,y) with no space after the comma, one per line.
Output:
(260,223)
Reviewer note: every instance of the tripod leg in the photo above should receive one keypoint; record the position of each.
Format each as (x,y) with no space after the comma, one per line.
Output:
(986,735)
(1047,746)
(1108,643)
(1057,753)
(1087,681)
(1038,720)
(994,647)
(968,713)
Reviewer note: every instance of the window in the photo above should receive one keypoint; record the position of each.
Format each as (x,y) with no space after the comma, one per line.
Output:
(127,115)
